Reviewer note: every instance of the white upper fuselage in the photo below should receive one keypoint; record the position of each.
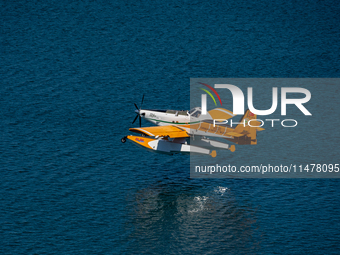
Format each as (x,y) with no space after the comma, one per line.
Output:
(168,117)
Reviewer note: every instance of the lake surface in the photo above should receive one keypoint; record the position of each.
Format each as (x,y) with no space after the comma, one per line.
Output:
(70,73)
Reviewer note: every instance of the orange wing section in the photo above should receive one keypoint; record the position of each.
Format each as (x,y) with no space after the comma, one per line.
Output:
(170,131)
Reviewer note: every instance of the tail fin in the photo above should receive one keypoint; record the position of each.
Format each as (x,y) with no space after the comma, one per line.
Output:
(221,114)
(249,131)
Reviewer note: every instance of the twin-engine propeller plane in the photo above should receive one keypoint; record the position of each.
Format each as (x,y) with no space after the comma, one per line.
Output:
(176,127)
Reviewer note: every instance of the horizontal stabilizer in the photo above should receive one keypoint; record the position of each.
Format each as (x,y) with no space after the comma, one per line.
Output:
(234,134)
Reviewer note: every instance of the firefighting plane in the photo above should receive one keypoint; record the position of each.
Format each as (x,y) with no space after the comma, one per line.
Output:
(180,131)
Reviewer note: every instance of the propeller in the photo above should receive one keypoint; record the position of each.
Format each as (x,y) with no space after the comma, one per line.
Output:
(138,113)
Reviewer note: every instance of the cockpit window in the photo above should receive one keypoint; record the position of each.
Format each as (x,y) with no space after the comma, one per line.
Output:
(196,114)
(192,110)
(182,113)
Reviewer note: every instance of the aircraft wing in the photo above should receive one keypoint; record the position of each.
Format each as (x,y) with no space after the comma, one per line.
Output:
(243,133)
(175,131)
(202,129)
(172,131)
(208,129)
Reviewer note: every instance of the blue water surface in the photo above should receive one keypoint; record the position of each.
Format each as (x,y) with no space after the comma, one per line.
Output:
(70,73)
